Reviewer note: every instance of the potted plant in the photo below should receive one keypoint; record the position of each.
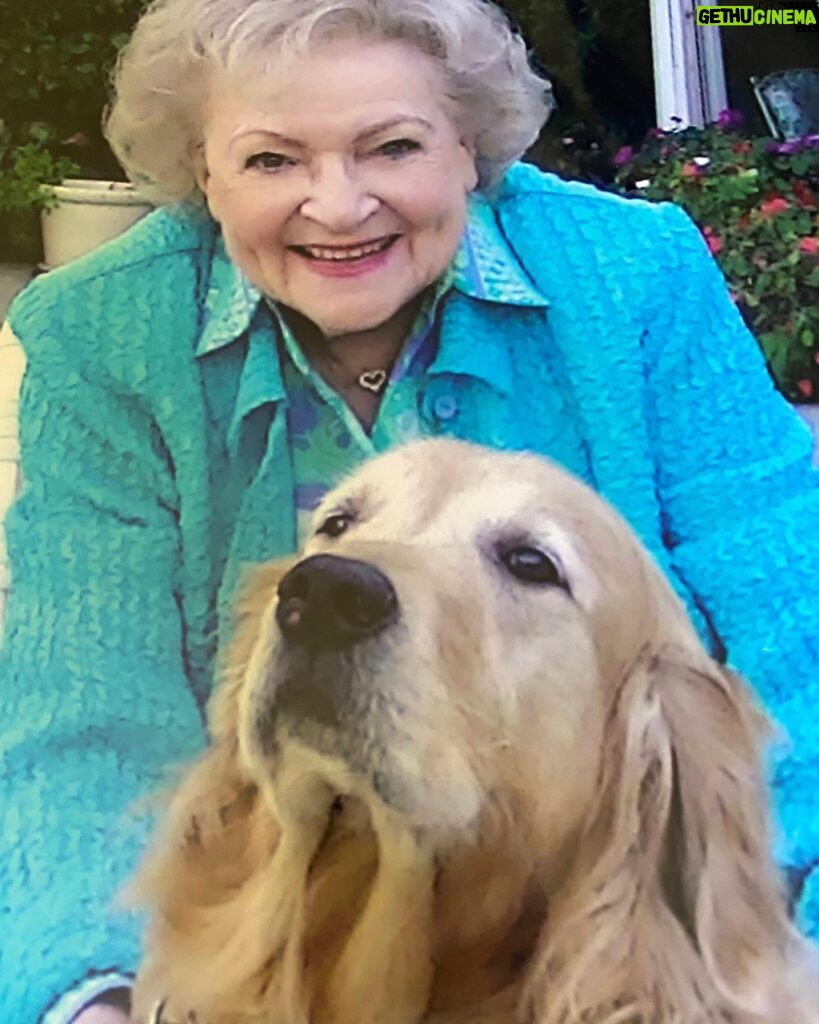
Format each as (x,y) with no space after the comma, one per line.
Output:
(756,201)
(25,167)
(79,214)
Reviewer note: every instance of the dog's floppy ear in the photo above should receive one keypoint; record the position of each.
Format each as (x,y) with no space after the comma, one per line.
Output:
(200,883)
(674,911)
(216,885)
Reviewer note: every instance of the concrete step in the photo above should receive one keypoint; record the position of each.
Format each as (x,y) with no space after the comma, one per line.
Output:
(13,276)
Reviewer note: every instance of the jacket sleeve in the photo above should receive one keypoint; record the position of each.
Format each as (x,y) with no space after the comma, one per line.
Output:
(12,363)
(740,501)
(94,701)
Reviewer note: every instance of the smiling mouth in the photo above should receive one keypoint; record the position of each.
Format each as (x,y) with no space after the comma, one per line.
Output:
(345,253)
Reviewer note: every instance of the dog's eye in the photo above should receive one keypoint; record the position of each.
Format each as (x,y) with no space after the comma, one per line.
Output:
(532,565)
(334,525)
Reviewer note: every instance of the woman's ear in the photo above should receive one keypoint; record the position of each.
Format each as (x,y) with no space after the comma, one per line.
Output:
(201,175)
(469,168)
(674,910)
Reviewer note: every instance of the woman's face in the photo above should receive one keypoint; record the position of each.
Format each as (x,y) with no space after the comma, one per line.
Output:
(340,182)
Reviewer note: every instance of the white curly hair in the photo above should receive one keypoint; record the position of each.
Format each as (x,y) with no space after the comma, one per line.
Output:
(154,120)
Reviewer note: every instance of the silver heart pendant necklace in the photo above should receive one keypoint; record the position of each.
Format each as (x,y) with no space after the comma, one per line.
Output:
(372,380)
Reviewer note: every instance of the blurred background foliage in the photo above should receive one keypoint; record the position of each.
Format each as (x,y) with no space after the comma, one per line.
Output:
(55,59)
(598,56)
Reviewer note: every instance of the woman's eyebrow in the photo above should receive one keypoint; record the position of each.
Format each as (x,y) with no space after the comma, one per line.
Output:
(376,129)
(392,122)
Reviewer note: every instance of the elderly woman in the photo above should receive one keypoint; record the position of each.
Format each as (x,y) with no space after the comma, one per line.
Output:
(347,256)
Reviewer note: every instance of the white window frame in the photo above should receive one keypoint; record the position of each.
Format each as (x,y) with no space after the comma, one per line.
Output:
(689,75)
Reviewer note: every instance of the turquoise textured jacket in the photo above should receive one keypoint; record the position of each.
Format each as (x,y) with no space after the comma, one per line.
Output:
(156,465)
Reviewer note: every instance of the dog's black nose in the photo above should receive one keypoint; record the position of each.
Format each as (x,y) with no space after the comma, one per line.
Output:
(331,602)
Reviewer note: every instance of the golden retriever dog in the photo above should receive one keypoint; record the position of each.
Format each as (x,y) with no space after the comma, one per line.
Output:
(470,764)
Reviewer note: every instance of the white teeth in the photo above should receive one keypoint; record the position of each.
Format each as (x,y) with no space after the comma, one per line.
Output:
(320,253)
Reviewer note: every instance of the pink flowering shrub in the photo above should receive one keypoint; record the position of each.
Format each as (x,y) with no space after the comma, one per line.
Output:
(756,202)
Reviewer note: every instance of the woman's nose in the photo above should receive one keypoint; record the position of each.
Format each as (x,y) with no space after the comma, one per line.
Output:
(339,199)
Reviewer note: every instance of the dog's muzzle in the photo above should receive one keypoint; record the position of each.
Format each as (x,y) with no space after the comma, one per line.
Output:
(321,688)
(329,603)
(334,710)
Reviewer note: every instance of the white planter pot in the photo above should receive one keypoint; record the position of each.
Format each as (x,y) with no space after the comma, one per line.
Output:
(87,214)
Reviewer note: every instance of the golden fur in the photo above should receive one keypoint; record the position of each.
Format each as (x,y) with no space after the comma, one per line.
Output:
(576,826)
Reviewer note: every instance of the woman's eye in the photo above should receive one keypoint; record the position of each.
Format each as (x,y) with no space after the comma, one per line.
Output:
(266,161)
(334,525)
(399,147)
(531,565)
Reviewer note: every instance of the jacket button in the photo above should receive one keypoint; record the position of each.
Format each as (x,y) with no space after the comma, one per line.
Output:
(446,407)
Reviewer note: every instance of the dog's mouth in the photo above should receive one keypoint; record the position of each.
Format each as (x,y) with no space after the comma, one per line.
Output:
(323,761)
(327,725)
(345,706)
